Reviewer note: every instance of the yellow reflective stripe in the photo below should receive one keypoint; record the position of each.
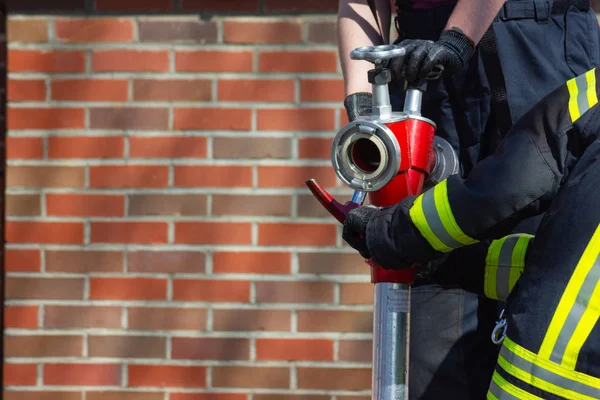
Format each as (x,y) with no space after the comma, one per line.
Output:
(442,205)
(518,259)
(504,264)
(511,389)
(490,396)
(573,109)
(418,219)
(549,365)
(570,294)
(540,383)
(592,96)
(583,330)
(491,268)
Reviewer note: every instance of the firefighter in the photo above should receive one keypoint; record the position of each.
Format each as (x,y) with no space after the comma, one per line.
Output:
(549,163)
(492,76)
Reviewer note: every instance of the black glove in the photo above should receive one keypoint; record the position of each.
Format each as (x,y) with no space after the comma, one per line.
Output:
(358,104)
(425,59)
(355,227)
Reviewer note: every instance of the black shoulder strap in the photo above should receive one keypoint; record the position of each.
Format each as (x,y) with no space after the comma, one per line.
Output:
(374,11)
(493,70)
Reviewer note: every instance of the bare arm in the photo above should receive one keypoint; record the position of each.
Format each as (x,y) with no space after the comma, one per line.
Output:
(474,17)
(356,28)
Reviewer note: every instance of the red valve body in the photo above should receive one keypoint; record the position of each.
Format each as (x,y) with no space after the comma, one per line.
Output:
(415,137)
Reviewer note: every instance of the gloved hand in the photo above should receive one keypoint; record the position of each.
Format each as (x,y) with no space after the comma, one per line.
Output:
(357,104)
(355,227)
(425,59)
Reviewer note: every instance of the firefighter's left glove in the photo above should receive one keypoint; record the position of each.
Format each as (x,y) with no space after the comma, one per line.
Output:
(448,55)
(355,228)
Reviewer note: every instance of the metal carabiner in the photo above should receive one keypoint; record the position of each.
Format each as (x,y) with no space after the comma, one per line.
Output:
(497,336)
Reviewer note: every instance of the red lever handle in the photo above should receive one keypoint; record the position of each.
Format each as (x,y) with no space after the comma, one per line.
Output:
(335,208)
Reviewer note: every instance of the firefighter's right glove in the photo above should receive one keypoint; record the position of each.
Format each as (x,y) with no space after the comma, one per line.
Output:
(358,104)
(449,55)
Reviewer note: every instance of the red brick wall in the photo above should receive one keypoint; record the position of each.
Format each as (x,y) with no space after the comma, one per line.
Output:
(161,243)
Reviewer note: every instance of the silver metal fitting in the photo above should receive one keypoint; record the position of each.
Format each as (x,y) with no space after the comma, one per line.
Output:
(446,163)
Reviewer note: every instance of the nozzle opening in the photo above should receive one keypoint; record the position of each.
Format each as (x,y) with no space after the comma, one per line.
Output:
(365,155)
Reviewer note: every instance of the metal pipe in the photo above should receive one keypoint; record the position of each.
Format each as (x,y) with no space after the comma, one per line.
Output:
(412,101)
(391,320)
(381,101)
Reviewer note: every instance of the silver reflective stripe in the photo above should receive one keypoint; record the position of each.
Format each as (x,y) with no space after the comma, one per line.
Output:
(504,266)
(579,307)
(501,394)
(434,221)
(541,373)
(582,100)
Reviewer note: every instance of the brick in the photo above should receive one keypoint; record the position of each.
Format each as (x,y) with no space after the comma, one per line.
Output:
(129,118)
(43,346)
(18,260)
(239,204)
(251,262)
(220,6)
(252,90)
(167,204)
(94,30)
(252,148)
(215,233)
(332,263)
(172,90)
(129,176)
(23,204)
(62,147)
(27,30)
(308,206)
(26,90)
(25,148)
(33,5)
(206,119)
(295,119)
(208,396)
(85,205)
(166,318)
(166,376)
(211,290)
(214,61)
(83,261)
(45,118)
(38,395)
(167,147)
(74,317)
(89,90)
(166,262)
(251,320)
(110,346)
(356,293)
(146,5)
(294,349)
(279,176)
(130,61)
(334,378)
(49,61)
(261,32)
(183,348)
(297,61)
(21,317)
(44,232)
(356,350)
(296,234)
(44,288)
(335,321)
(82,374)
(128,288)
(19,374)
(292,397)
(322,32)
(322,90)
(129,395)
(213,176)
(178,31)
(294,292)
(44,176)
(129,232)
(304,5)
(254,377)
(315,148)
